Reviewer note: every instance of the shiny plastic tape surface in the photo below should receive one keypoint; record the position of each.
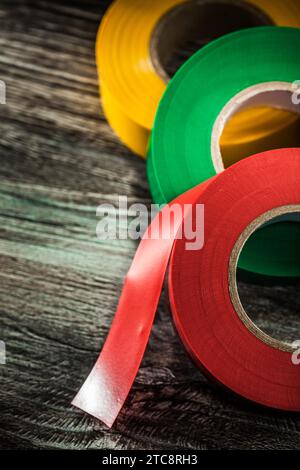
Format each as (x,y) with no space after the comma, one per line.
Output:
(200,298)
(131,87)
(184,148)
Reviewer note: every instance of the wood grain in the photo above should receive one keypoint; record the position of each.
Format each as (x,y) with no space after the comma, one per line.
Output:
(60,285)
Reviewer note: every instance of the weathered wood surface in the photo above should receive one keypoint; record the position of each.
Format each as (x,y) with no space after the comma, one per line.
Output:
(59,285)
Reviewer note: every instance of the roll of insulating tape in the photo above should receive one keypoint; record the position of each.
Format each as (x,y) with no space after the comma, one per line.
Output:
(255,66)
(207,312)
(136,40)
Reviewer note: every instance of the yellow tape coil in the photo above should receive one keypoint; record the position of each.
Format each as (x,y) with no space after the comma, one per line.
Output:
(131,86)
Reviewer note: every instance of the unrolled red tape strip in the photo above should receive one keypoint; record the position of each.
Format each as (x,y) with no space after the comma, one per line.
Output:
(201,305)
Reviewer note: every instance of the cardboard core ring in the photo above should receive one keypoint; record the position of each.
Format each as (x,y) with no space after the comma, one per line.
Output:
(273,94)
(201,21)
(282,212)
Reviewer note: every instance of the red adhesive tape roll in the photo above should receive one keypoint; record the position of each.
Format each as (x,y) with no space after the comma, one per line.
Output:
(204,300)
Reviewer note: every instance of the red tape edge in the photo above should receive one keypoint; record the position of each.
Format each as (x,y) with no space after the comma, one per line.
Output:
(200,301)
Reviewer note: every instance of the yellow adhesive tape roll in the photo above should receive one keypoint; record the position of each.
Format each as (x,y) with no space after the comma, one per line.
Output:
(137,37)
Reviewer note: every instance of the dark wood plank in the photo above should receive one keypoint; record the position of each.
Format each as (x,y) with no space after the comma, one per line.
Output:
(60,285)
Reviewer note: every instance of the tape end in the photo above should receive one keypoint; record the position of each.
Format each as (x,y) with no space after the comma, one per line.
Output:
(100,396)
(82,405)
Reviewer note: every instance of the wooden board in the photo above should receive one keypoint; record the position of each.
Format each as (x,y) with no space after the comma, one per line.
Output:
(59,285)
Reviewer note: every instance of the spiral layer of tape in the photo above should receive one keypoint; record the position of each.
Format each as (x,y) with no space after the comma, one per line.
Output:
(133,82)
(205,306)
(219,107)
(199,108)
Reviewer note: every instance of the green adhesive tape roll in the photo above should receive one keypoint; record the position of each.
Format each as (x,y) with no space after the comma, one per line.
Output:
(250,68)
